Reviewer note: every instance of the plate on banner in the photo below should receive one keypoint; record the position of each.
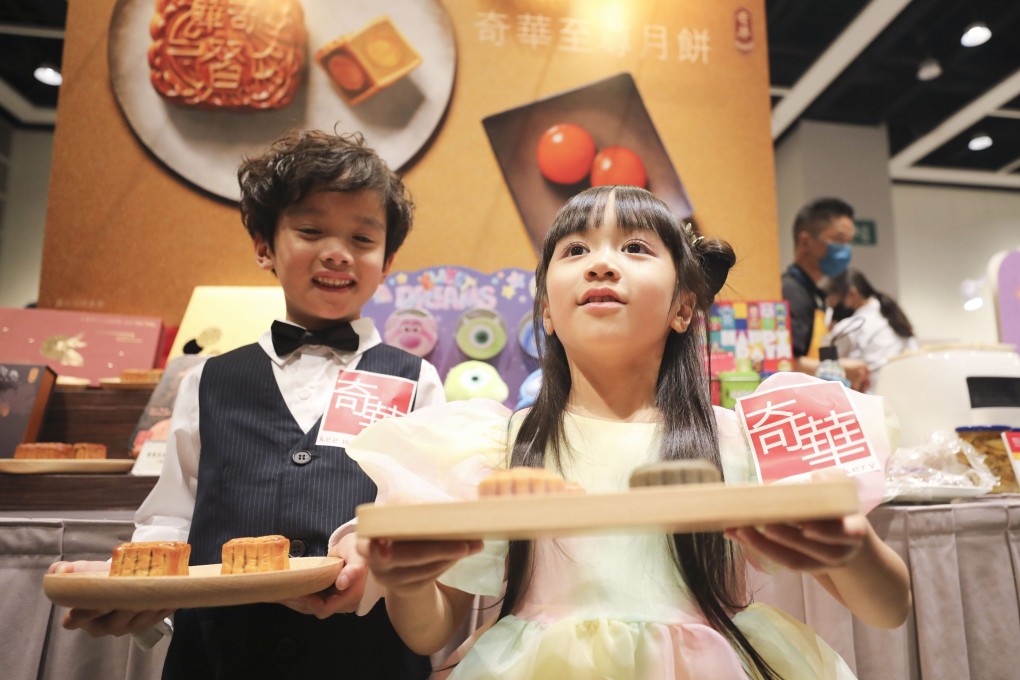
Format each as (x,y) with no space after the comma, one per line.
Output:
(206,146)
(613,112)
(204,586)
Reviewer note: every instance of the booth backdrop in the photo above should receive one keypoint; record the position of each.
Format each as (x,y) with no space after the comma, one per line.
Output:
(126,234)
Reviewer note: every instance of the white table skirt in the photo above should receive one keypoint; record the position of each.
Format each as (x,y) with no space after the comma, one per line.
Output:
(964,561)
(33,645)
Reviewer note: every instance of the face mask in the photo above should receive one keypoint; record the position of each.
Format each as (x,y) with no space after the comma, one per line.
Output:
(836,260)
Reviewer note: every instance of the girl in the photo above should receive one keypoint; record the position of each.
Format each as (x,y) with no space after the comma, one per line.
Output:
(619,289)
(869,326)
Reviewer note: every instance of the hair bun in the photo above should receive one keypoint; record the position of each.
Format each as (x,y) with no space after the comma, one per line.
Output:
(717,258)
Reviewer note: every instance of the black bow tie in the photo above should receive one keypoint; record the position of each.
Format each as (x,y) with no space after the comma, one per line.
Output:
(287,338)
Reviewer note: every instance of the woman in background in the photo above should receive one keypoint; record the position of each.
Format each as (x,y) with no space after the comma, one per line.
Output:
(868,324)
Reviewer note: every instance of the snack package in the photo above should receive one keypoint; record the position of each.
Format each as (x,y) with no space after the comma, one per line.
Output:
(988,441)
(943,461)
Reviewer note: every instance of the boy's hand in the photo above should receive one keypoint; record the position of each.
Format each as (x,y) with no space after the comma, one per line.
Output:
(98,623)
(344,595)
(409,566)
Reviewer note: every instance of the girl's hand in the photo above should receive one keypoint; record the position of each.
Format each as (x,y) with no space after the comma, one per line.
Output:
(811,546)
(344,595)
(408,567)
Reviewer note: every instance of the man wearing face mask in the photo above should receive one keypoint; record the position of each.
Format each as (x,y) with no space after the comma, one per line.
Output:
(822,233)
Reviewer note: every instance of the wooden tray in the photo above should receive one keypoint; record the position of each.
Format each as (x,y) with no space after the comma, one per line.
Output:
(203,587)
(62,466)
(667,509)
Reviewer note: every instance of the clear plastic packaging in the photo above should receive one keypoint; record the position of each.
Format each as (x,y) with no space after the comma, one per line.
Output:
(934,469)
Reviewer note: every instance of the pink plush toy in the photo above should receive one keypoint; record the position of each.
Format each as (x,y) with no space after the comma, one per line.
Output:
(413,330)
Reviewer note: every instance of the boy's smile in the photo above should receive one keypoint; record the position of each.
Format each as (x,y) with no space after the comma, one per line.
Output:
(329,255)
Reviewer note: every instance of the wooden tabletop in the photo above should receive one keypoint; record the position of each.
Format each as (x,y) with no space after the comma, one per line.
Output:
(73,492)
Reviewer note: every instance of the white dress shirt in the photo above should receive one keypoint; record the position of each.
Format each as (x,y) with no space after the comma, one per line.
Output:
(306,378)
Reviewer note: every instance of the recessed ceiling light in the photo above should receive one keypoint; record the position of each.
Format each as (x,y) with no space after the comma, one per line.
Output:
(979,142)
(975,34)
(929,69)
(49,75)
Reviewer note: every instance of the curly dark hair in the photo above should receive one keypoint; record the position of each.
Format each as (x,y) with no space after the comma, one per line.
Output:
(305,161)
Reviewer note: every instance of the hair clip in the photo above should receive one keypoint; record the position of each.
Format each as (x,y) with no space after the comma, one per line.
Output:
(694,238)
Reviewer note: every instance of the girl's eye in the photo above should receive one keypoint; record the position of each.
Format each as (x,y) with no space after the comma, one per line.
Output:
(575,249)
(635,247)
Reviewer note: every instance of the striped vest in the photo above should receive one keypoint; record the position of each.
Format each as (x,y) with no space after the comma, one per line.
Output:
(259,473)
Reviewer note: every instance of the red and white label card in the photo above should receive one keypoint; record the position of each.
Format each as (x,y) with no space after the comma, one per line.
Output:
(359,399)
(794,431)
(1011,438)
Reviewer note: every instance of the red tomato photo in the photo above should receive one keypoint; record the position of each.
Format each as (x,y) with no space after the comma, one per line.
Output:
(565,153)
(618,165)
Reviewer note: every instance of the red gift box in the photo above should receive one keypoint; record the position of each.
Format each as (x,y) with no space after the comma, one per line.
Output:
(80,344)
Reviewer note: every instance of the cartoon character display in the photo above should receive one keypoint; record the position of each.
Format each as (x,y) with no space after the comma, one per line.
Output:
(529,389)
(413,330)
(474,380)
(481,334)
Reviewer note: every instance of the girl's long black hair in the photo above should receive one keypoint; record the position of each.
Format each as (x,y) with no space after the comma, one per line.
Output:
(705,560)
(892,312)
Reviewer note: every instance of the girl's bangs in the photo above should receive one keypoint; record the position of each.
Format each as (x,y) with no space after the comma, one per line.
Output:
(633,209)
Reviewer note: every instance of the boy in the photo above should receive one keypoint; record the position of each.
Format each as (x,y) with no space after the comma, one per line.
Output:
(326,215)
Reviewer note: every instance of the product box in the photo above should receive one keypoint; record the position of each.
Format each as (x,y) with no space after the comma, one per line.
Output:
(750,336)
(221,318)
(86,345)
(24,394)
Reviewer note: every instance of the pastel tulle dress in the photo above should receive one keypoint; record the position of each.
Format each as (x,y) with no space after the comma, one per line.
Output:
(598,606)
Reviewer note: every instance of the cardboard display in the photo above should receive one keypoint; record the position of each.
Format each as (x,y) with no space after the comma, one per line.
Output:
(221,318)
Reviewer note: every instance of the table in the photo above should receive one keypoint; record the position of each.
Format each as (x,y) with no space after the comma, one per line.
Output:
(964,561)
